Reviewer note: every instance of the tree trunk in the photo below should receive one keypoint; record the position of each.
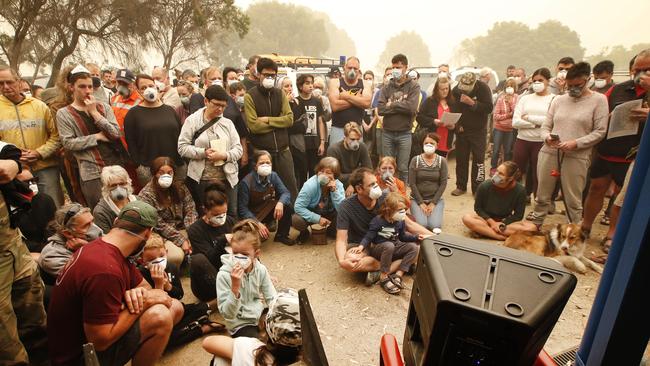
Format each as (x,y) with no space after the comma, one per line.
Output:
(64,52)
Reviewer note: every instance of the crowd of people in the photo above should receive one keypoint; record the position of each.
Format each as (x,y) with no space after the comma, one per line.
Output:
(164,175)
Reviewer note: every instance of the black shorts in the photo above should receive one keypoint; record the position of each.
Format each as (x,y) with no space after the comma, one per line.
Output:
(601,168)
(120,352)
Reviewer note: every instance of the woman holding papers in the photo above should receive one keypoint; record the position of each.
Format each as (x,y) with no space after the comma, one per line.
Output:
(430,118)
(211,143)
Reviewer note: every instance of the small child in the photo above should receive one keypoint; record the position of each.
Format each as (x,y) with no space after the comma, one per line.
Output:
(387,241)
(163,275)
(242,281)
(157,271)
(283,338)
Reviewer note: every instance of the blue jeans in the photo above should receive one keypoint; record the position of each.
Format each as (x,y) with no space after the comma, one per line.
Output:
(434,220)
(398,145)
(505,139)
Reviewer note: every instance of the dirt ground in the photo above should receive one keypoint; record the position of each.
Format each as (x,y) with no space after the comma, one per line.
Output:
(352,317)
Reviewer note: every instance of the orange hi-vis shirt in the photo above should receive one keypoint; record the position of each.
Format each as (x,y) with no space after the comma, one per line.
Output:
(121,107)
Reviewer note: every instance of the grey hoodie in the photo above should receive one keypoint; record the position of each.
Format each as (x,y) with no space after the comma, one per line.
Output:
(404,102)
(247,309)
(54,255)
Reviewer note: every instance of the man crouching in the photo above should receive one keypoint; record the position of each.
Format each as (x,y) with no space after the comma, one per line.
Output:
(101,297)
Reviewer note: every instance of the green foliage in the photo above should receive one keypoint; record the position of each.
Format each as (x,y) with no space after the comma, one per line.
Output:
(410,44)
(619,55)
(516,43)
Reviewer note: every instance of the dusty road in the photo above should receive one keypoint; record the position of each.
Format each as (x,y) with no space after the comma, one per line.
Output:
(352,317)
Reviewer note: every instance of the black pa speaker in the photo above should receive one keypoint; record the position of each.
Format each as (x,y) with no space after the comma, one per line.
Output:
(477,304)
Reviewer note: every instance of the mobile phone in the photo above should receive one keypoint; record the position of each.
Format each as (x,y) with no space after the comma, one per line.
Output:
(555,137)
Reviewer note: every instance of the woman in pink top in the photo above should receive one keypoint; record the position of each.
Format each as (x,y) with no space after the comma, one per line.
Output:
(429,118)
(502,134)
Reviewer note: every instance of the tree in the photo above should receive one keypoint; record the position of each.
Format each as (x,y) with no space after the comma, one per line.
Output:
(619,55)
(515,43)
(115,24)
(274,28)
(340,42)
(409,43)
(20,15)
(181,27)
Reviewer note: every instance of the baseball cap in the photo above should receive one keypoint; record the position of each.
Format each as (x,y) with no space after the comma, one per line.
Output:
(467,82)
(125,75)
(283,319)
(146,215)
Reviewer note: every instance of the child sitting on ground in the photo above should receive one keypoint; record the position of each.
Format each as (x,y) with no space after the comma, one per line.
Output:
(242,281)
(164,275)
(388,241)
(283,338)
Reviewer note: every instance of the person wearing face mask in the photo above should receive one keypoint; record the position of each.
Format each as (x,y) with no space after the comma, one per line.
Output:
(530,114)
(101,93)
(151,130)
(175,207)
(264,198)
(34,221)
(122,315)
(388,241)
(211,143)
(268,116)
(28,124)
(353,221)
(576,122)
(319,199)
(167,93)
(615,156)
(475,103)
(316,133)
(603,72)
(296,132)
(349,96)
(196,98)
(117,191)
(429,117)
(185,92)
(74,227)
(398,104)
(89,130)
(428,181)
(320,93)
(510,73)
(126,97)
(351,154)
(499,205)
(210,239)
(558,84)
(243,281)
(502,135)
(387,179)
(522,81)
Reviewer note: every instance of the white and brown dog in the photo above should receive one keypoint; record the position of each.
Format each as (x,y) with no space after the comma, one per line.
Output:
(565,243)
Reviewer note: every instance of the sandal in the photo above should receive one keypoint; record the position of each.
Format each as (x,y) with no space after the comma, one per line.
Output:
(606,243)
(605,220)
(388,286)
(214,326)
(397,281)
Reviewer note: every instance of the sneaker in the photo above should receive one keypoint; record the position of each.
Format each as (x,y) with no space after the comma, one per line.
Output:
(458,192)
(372,278)
(284,240)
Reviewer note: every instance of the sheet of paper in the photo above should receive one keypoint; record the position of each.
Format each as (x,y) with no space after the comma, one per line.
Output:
(219,145)
(620,123)
(450,119)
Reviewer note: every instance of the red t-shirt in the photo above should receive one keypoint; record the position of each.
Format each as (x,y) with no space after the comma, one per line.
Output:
(442,131)
(89,289)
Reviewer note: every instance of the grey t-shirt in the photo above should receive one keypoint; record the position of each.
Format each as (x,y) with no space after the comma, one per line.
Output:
(355,218)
